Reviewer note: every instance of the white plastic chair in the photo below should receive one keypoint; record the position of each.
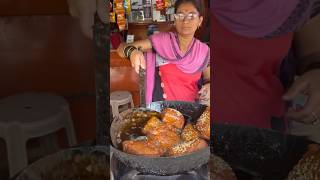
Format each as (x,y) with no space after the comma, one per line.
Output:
(119,98)
(30,115)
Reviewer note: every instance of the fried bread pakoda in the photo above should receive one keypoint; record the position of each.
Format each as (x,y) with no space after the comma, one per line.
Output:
(143,147)
(187,147)
(173,117)
(169,136)
(153,123)
(165,139)
(189,133)
(203,124)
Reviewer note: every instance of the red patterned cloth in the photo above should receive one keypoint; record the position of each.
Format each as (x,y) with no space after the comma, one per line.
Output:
(178,85)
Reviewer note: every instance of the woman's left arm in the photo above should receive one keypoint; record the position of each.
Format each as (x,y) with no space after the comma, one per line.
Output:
(204,93)
(307,49)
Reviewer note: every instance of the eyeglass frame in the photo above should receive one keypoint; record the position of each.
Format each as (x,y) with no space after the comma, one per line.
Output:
(194,15)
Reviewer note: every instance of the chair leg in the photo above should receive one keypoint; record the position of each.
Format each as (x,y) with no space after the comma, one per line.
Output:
(70,130)
(17,150)
(131,102)
(115,110)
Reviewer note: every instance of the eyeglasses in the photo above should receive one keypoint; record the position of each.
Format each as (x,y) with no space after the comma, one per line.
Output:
(182,17)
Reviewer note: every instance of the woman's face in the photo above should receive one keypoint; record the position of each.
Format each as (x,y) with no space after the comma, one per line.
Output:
(187,19)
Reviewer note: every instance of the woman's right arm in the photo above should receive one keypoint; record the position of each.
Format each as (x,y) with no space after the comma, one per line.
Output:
(143,45)
(136,56)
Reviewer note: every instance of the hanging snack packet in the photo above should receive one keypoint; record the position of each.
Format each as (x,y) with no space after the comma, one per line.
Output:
(127,6)
(160,5)
(112,17)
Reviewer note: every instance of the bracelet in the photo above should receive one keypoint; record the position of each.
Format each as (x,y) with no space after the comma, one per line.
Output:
(128,50)
(125,49)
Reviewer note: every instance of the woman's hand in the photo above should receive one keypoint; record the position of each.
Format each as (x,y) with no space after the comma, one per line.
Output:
(309,84)
(204,94)
(120,49)
(137,60)
(136,57)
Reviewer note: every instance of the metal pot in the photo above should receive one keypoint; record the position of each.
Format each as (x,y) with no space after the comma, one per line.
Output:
(163,165)
(50,167)
(260,153)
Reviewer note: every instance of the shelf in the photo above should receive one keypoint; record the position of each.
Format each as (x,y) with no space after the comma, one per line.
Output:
(149,23)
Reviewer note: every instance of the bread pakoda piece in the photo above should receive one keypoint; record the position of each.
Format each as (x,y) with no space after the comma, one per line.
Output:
(144,148)
(152,124)
(155,125)
(309,166)
(189,133)
(187,147)
(164,137)
(220,170)
(203,124)
(155,129)
(173,117)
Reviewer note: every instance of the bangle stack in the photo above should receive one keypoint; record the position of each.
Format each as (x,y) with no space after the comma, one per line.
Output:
(128,50)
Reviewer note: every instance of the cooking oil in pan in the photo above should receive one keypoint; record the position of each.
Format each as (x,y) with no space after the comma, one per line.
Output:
(133,129)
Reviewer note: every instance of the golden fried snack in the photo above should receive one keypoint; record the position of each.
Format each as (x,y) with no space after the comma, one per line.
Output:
(203,124)
(220,170)
(144,148)
(189,133)
(173,117)
(153,123)
(309,166)
(187,147)
(164,137)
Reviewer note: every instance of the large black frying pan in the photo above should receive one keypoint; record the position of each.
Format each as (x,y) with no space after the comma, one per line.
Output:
(65,164)
(163,165)
(260,153)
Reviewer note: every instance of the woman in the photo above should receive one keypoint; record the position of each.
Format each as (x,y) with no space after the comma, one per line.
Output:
(251,40)
(175,63)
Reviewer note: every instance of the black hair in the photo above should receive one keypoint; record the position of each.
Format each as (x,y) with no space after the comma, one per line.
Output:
(198,4)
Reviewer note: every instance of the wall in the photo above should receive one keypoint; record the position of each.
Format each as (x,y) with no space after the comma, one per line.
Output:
(43,50)
(33,7)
